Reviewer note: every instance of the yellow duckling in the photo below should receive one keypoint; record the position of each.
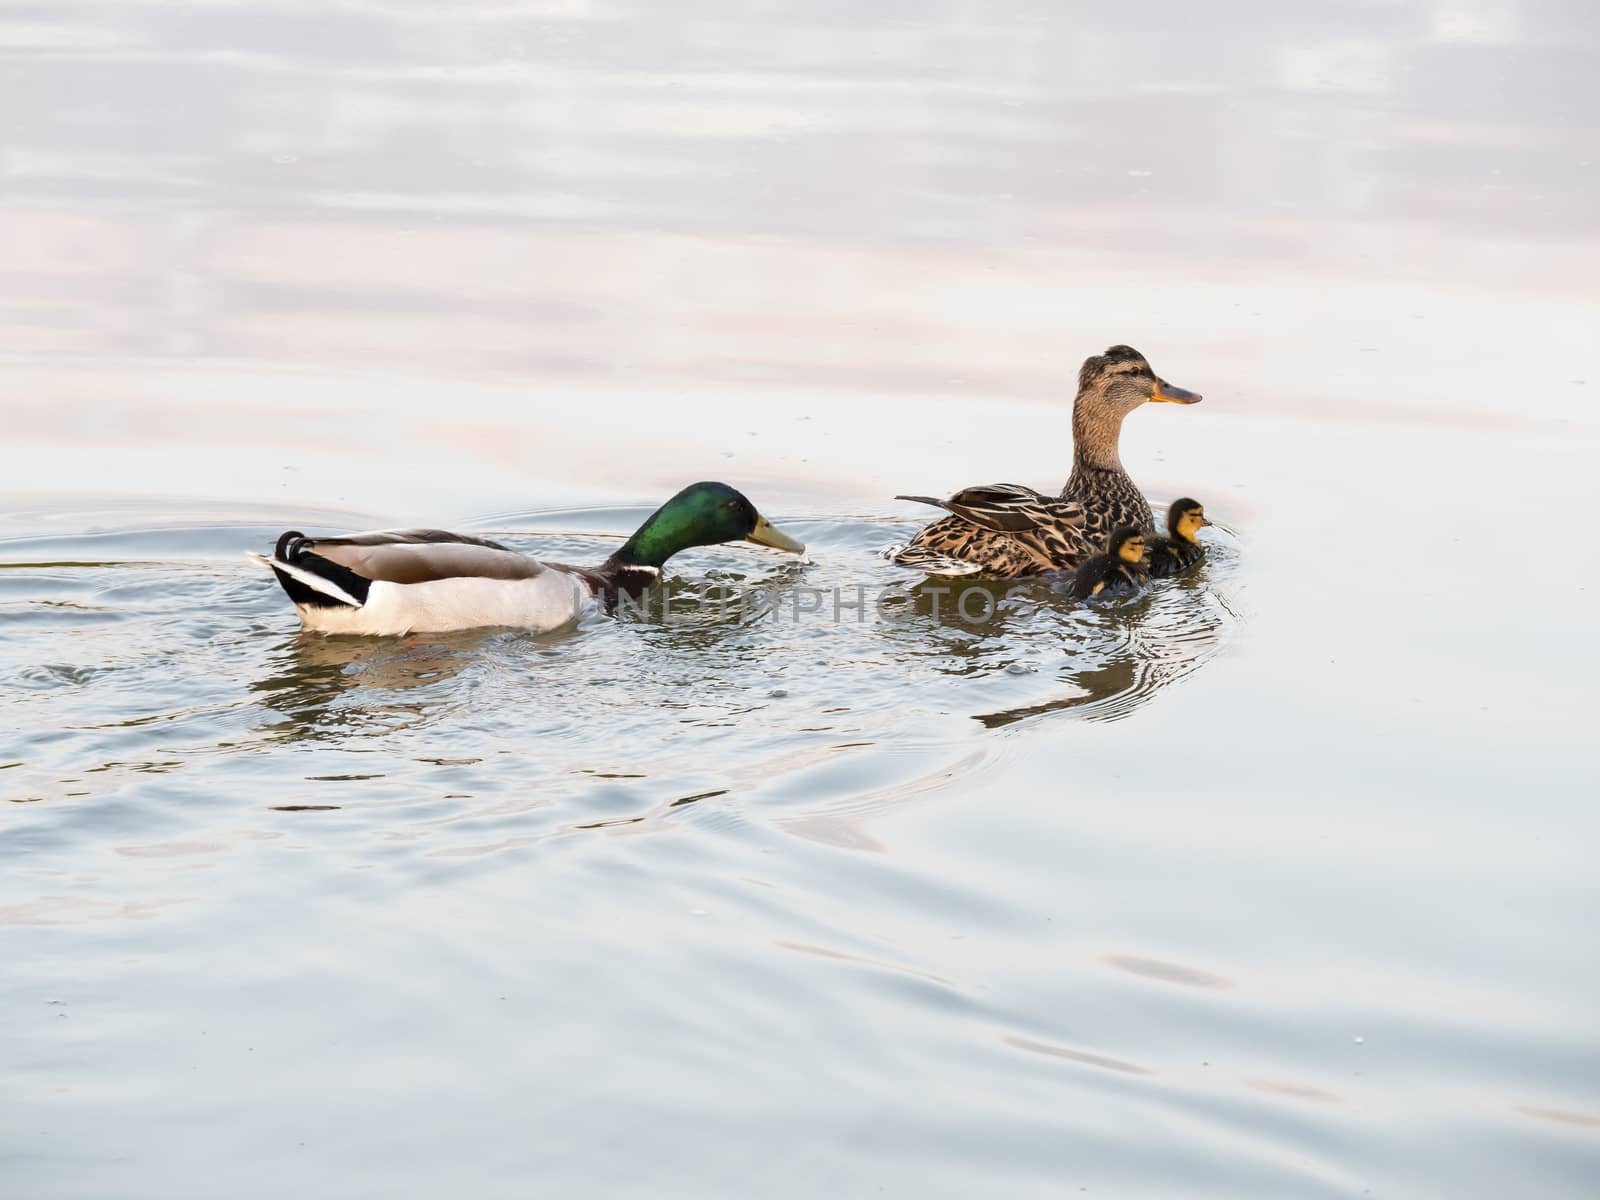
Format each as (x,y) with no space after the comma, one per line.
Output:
(1179,550)
(1121,569)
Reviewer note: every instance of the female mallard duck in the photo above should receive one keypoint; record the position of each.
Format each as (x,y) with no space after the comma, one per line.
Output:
(1119,570)
(1179,550)
(1009,530)
(430,581)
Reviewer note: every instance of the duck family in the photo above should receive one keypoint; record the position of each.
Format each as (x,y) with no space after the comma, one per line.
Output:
(1006,530)
(1099,528)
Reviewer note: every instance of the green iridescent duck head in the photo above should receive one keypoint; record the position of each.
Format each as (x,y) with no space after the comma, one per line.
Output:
(702,514)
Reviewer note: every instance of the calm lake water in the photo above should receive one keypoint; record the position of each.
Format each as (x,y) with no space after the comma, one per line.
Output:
(1277,882)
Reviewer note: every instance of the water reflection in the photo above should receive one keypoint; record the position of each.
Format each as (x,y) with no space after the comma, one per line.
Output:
(1081,1057)
(1166,972)
(311,674)
(386,193)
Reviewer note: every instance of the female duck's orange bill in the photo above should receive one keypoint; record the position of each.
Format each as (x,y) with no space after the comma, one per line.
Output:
(1172,394)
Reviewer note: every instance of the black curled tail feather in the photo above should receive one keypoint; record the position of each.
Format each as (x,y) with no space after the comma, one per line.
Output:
(291,548)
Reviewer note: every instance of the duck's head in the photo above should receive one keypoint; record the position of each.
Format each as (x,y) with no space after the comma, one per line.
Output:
(1127,544)
(1185,518)
(702,514)
(1120,380)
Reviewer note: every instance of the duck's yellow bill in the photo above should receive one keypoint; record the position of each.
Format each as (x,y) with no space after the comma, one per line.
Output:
(767,534)
(1172,394)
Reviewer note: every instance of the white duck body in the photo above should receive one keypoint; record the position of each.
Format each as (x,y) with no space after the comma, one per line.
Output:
(546,602)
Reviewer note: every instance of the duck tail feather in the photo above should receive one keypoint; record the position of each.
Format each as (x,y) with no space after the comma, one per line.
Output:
(303,586)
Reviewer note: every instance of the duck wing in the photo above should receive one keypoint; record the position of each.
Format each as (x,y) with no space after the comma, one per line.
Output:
(414,556)
(341,571)
(1005,507)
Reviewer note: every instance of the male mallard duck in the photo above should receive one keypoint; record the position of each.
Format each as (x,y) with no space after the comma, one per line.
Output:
(1008,530)
(429,581)
(1179,550)
(1120,569)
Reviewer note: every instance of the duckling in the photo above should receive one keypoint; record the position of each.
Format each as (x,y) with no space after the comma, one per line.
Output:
(1120,569)
(1178,551)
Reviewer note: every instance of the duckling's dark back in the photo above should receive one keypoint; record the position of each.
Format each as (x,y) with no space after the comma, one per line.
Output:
(1173,554)
(1109,571)
(1088,578)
